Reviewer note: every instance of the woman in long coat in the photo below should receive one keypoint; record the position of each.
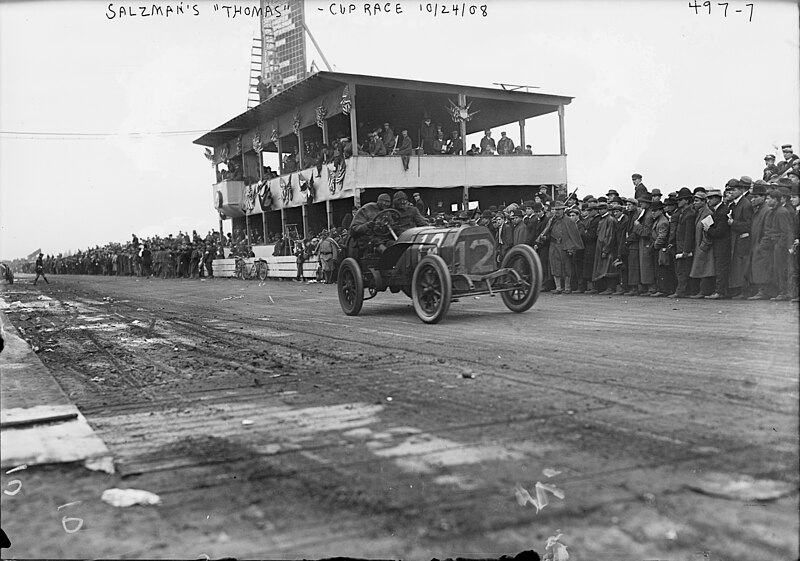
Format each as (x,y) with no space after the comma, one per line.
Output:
(703,263)
(564,240)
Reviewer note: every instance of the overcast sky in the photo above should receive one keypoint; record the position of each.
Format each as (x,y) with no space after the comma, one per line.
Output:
(98,115)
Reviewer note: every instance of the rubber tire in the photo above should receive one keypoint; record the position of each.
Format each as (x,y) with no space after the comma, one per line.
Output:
(350,275)
(263,270)
(437,265)
(533,268)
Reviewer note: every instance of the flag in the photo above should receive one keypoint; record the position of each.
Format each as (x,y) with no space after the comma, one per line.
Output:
(34,255)
(336,177)
(257,142)
(321,113)
(345,102)
(274,136)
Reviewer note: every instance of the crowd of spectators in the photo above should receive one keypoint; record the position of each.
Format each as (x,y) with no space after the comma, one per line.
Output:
(737,242)
(175,256)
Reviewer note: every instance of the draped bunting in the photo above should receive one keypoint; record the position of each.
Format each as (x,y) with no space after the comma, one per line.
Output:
(296,124)
(336,176)
(345,102)
(224,153)
(286,187)
(249,193)
(274,136)
(265,195)
(458,113)
(239,144)
(321,114)
(257,142)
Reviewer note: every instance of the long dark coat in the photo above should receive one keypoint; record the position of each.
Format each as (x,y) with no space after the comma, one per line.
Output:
(684,231)
(703,263)
(564,237)
(606,245)
(742,214)
(643,227)
(589,244)
(761,265)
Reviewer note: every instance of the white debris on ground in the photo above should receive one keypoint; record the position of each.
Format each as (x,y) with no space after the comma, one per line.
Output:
(129,497)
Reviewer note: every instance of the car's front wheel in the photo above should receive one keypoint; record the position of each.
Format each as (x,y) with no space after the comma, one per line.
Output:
(523,259)
(431,289)
(350,286)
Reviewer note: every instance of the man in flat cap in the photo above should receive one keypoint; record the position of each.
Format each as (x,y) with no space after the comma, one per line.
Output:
(659,234)
(588,229)
(740,217)
(720,234)
(788,158)
(565,240)
(405,148)
(702,271)
(639,188)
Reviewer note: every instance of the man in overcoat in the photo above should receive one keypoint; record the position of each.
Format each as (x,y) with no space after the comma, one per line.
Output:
(659,234)
(683,242)
(781,234)
(643,226)
(603,273)
(703,260)
(740,217)
(761,266)
(720,234)
(564,241)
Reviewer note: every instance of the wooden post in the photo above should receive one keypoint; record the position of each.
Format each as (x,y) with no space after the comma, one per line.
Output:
(462,125)
(247,226)
(357,197)
(283,221)
(221,235)
(263,210)
(522,133)
(300,151)
(305,221)
(561,130)
(465,197)
(280,157)
(353,121)
(329,213)
(325,132)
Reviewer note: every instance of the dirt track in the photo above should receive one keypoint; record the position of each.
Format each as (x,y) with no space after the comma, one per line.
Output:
(378,436)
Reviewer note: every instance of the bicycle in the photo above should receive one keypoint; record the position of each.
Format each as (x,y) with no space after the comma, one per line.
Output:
(247,271)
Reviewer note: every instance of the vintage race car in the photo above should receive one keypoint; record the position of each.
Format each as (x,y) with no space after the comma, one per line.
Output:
(435,266)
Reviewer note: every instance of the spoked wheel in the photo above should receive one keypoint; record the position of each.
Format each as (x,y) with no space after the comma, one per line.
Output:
(526,263)
(431,289)
(351,287)
(263,269)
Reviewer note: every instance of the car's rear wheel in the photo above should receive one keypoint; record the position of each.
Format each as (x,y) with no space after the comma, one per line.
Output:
(523,259)
(351,287)
(263,269)
(431,289)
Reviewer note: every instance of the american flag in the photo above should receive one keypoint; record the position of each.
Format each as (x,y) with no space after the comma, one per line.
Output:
(274,136)
(321,113)
(257,142)
(345,102)
(336,177)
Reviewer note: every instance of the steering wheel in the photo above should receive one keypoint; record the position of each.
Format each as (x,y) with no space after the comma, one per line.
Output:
(387,218)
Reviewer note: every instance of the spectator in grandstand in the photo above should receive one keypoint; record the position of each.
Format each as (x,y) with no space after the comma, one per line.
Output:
(488,146)
(789,158)
(455,146)
(389,139)
(405,149)
(505,146)
(427,135)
